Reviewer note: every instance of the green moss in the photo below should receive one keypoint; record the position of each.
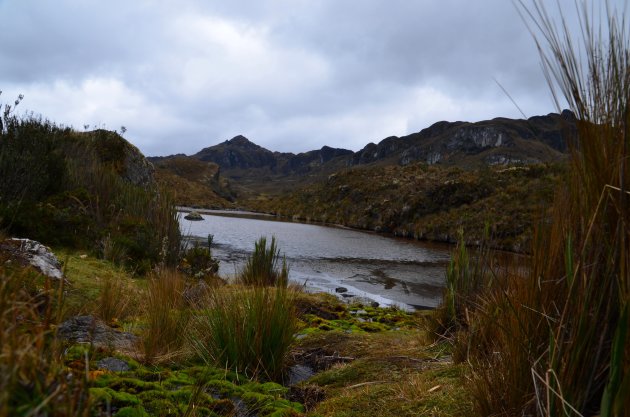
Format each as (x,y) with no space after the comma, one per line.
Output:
(137,411)
(115,398)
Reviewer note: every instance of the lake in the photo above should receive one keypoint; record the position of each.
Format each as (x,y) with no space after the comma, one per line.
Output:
(388,270)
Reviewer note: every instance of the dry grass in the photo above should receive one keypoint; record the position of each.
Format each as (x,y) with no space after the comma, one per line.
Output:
(555,342)
(33,379)
(167,317)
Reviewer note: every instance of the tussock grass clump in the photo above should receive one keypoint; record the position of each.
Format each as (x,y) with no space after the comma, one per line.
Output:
(555,341)
(247,329)
(263,267)
(167,318)
(116,300)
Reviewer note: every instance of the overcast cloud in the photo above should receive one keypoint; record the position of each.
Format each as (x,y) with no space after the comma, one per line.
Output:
(291,75)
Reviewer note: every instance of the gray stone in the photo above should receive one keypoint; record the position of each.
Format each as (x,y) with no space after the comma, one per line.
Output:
(194,216)
(113,364)
(30,252)
(88,329)
(341,290)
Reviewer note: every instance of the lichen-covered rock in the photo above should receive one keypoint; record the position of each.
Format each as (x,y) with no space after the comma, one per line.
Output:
(113,364)
(30,252)
(88,329)
(194,216)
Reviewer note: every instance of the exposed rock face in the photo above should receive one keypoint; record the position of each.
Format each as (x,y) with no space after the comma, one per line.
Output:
(88,329)
(496,141)
(30,252)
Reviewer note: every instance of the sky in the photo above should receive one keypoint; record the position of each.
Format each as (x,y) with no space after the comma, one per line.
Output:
(290,75)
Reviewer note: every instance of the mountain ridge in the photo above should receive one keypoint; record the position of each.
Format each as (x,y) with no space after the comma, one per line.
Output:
(496,141)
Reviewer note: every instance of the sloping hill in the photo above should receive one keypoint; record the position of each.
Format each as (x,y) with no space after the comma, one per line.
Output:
(193,182)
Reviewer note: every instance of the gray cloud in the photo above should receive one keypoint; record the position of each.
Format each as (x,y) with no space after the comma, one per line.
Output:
(292,75)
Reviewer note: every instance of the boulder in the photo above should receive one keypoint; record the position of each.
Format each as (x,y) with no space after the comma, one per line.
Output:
(30,252)
(194,216)
(89,329)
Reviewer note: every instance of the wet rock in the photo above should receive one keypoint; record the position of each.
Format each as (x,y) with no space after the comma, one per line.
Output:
(88,329)
(113,364)
(341,290)
(30,252)
(194,216)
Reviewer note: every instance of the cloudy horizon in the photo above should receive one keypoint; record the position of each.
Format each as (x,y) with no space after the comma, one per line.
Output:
(290,75)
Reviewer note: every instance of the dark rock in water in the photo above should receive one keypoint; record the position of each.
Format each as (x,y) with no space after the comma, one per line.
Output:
(194,216)
(113,364)
(341,290)
(30,252)
(88,329)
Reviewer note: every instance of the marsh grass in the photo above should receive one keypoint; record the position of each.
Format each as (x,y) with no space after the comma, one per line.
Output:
(167,318)
(263,268)
(33,378)
(117,300)
(247,329)
(555,342)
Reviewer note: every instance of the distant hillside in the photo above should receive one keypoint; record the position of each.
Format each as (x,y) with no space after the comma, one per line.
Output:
(428,202)
(193,182)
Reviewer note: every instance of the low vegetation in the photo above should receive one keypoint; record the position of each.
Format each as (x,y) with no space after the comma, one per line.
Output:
(83,190)
(429,202)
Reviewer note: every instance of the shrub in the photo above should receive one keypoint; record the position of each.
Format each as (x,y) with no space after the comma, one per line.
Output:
(262,268)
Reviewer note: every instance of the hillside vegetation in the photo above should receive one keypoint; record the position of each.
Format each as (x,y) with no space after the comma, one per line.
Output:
(90,190)
(429,202)
(193,183)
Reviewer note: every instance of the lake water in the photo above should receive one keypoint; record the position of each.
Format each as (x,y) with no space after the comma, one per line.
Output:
(388,270)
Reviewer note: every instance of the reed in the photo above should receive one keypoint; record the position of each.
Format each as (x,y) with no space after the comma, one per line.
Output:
(555,341)
(247,329)
(167,318)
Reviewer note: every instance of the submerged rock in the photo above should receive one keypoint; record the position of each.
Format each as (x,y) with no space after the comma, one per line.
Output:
(30,252)
(194,216)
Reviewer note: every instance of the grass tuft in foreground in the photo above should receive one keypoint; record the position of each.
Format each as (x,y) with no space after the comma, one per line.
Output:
(552,339)
(247,329)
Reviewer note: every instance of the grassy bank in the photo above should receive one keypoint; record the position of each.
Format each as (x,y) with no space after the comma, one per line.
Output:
(366,360)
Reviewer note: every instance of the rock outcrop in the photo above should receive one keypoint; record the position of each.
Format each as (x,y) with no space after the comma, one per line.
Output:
(30,252)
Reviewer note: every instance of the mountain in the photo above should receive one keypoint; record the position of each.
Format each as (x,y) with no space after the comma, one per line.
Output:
(239,153)
(491,142)
(253,171)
